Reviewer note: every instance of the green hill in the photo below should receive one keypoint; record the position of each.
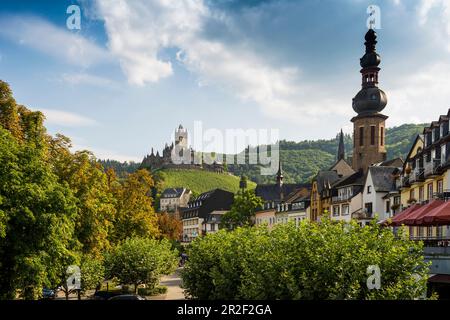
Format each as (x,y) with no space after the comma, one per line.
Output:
(301,161)
(198,181)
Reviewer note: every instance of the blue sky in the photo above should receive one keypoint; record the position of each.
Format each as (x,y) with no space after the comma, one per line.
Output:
(138,68)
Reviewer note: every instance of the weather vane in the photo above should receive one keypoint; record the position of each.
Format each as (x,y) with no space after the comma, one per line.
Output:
(374,19)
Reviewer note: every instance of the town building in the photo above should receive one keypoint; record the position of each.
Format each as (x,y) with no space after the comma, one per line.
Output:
(323,182)
(424,182)
(346,200)
(295,208)
(274,195)
(378,189)
(173,199)
(202,214)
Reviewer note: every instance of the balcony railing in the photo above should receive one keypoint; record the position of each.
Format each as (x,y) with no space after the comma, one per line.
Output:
(403,181)
(416,175)
(443,241)
(432,167)
(361,215)
(341,198)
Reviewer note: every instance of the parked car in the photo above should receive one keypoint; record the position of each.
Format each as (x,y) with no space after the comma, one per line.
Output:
(48,294)
(127,297)
(105,295)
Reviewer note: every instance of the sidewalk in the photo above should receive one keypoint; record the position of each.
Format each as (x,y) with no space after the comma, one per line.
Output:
(173,283)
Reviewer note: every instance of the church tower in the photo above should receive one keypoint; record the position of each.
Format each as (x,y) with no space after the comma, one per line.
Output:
(341,148)
(369,125)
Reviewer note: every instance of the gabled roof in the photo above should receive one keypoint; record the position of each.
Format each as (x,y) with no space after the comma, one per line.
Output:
(397,162)
(419,137)
(273,192)
(298,195)
(172,192)
(326,178)
(382,178)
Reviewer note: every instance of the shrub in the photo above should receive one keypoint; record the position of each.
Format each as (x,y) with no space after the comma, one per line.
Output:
(326,260)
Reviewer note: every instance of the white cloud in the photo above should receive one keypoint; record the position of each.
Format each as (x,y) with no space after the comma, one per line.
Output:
(105,154)
(86,79)
(56,42)
(422,96)
(440,23)
(139,30)
(66,119)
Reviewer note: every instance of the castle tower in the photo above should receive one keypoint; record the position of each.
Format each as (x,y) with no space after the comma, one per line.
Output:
(181,138)
(369,124)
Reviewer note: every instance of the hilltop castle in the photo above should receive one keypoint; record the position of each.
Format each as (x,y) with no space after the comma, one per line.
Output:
(179,155)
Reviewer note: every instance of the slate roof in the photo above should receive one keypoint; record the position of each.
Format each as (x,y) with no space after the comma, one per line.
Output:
(325,178)
(273,192)
(397,162)
(356,179)
(382,178)
(172,193)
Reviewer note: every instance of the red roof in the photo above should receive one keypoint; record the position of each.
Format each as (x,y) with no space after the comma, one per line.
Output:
(439,215)
(398,219)
(412,219)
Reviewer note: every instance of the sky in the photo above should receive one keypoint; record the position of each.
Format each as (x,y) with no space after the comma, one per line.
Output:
(137,69)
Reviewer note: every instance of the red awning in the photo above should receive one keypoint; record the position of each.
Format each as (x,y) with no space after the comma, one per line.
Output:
(437,216)
(398,219)
(412,219)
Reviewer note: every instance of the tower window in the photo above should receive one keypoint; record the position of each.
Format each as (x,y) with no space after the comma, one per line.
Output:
(361,136)
(382,136)
(372,135)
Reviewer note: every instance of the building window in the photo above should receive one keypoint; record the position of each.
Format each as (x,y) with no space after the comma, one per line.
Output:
(440,186)
(388,206)
(369,207)
(213,227)
(411,232)
(430,191)
(411,194)
(429,231)
(369,189)
(439,232)
(361,136)
(421,194)
(382,136)
(345,209)
(420,232)
(336,211)
(372,135)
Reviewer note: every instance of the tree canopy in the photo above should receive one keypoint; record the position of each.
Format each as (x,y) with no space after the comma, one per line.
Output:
(326,260)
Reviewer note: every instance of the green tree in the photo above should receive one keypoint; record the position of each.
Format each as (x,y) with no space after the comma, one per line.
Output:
(141,261)
(314,261)
(37,222)
(135,215)
(92,273)
(242,211)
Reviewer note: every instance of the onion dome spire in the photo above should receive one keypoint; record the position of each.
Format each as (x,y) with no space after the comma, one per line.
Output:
(370,100)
